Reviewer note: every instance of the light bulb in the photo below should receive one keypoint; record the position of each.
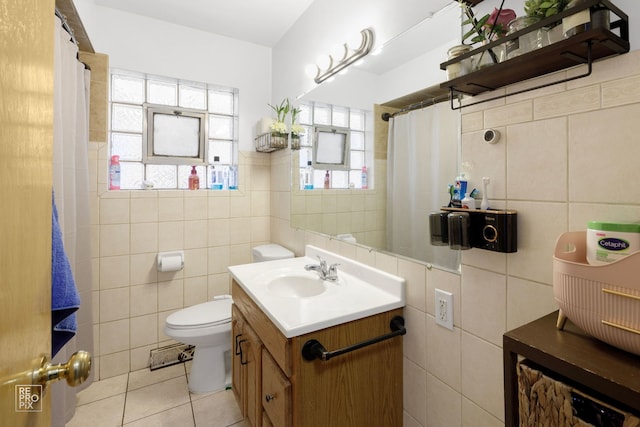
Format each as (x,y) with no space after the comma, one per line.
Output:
(324,62)
(311,70)
(355,41)
(339,52)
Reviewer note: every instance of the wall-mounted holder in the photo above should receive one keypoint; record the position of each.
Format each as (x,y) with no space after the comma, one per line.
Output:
(491,229)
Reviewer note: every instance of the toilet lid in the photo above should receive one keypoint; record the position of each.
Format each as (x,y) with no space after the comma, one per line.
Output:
(199,315)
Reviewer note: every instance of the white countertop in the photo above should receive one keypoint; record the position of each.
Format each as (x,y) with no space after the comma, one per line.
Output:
(360,291)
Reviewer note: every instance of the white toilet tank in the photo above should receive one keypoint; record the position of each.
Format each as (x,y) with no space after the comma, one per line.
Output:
(270,252)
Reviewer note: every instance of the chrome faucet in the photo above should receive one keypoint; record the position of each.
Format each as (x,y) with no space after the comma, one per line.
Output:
(329,273)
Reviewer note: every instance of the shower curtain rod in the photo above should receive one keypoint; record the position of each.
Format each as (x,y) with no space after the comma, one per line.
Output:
(68,29)
(416,106)
(66,26)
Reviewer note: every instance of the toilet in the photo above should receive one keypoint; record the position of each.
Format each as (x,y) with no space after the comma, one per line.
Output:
(207,326)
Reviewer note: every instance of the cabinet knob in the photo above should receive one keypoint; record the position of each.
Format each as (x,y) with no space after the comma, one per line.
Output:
(269,397)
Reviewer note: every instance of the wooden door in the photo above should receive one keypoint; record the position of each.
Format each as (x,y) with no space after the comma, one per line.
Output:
(26,135)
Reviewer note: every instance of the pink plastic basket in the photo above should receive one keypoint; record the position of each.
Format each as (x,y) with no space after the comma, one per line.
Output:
(604,300)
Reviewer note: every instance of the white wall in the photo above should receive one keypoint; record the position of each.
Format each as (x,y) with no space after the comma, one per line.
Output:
(134,42)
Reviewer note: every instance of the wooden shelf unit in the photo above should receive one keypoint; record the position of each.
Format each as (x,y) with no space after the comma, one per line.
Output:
(582,48)
(574,357)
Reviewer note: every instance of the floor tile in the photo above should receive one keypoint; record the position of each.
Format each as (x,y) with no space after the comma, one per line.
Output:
(179,416)
(159,397)
(216,410)
(103,389)
(102,413)
(154,399)
(145,377)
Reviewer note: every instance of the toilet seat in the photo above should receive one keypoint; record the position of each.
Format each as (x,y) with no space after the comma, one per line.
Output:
(207,314)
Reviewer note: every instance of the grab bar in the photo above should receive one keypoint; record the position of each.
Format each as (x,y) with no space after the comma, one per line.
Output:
(312,349)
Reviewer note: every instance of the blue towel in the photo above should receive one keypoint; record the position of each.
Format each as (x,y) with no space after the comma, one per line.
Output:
(64,295)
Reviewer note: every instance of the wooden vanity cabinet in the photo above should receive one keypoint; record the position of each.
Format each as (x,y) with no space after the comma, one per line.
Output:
(361,388)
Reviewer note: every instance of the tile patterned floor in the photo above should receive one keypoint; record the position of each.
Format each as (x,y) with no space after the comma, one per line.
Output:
(149,399)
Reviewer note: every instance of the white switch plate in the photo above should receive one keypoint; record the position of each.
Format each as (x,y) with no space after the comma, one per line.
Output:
(444,308)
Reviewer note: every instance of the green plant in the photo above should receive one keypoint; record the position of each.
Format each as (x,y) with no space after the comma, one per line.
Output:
(544,8)
(294,114)
(281,110)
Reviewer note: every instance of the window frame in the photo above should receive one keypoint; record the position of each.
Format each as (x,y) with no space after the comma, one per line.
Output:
(148,135)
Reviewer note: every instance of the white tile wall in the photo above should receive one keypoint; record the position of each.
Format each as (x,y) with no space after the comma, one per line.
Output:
(215,229)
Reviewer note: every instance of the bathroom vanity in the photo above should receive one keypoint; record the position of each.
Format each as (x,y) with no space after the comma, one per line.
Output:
(289,368)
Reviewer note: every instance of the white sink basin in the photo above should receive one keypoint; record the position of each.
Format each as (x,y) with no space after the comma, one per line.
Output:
(299,301)
(296,286)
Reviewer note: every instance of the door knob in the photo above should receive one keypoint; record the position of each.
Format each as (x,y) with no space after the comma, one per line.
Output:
(75,371)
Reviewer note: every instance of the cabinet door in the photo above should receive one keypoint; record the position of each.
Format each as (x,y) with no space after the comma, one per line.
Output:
(277,392)
(252,366)
(238,384)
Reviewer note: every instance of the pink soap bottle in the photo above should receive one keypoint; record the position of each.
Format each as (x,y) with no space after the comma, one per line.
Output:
(114,173)
(194,179)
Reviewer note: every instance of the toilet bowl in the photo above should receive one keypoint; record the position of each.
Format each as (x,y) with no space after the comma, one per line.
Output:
(207,326)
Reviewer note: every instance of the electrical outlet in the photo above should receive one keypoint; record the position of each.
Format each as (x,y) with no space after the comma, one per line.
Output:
(444,308)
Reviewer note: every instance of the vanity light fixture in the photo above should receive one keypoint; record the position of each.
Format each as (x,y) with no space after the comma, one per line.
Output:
(344,57)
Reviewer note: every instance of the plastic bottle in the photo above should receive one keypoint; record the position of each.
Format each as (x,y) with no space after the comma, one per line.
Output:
(233,178)
(327,180)
(364,178)
(114,173)
(468,202)
(217,175)
(307,177)
(194,179)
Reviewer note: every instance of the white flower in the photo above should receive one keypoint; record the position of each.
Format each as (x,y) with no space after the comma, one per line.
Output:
(279,127)
(297,130)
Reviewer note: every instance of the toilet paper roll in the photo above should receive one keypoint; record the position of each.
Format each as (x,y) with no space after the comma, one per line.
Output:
(169,262)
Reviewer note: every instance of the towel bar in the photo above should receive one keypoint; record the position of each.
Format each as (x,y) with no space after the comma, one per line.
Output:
(312,349)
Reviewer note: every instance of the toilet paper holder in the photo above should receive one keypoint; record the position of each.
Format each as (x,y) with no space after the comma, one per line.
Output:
(492,229)
(170,261)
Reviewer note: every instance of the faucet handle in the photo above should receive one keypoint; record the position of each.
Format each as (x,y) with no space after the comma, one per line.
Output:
(333,270)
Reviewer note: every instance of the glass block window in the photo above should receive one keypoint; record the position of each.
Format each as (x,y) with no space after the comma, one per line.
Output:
(360,125)
(185,108)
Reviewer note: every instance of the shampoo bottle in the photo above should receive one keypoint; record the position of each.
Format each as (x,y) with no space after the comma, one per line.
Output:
(307,177)
(217,175)
(364,183)
(194,179)
(233,177)
(114,173)
(327,180)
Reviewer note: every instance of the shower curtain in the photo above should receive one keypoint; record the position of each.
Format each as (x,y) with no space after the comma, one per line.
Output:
(71,188)
(422,158)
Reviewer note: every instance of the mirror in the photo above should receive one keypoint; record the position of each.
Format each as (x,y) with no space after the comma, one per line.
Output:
(385,83)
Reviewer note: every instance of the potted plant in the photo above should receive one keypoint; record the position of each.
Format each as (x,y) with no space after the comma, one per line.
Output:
(488,28)
(279,131)
(296,130)
(540,9)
